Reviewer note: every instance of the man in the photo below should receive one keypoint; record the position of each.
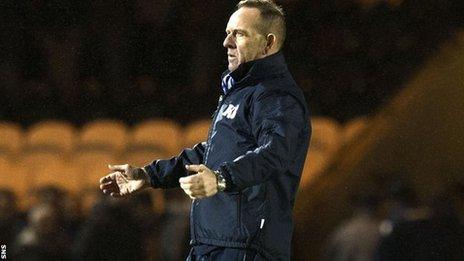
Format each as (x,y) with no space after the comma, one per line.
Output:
(244,178)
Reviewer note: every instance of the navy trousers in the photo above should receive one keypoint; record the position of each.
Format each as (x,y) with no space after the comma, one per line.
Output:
(213,253)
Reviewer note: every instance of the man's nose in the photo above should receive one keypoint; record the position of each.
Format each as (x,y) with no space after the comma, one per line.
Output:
(229,41)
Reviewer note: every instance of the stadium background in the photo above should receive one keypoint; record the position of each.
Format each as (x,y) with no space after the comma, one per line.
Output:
(86,83)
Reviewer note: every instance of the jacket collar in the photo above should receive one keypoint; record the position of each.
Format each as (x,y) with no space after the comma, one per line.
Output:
(252,72)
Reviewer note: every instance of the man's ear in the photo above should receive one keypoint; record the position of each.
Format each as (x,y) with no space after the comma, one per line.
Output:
(271,41)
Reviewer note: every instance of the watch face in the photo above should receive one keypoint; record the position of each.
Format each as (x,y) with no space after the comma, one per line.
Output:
(222,184)
(221,181)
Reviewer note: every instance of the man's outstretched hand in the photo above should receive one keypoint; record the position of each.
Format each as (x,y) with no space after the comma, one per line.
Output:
(200,185)
(124,180)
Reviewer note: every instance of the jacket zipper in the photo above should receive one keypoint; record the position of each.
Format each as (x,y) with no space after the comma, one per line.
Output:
(239,210)
(258,234)
(208,141)
(211,130)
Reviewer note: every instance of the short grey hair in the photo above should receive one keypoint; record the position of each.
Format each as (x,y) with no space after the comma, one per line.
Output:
(272,15)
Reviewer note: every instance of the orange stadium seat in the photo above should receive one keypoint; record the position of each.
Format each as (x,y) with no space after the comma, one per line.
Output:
(196,132)
(47,167)
(165,134)
(142,155)
(107,133)
(13,178)
(9,176)
(56,134)
(88,166)
(326,135)
(353,129)
(325,142)
(11,137)
(314,165)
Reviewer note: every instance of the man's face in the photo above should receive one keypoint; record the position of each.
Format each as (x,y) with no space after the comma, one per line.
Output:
(244,42)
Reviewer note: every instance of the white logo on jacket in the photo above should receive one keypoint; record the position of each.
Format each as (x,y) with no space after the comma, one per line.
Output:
(231,111)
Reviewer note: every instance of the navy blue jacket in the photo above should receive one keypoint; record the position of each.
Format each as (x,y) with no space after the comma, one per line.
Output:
(258,140)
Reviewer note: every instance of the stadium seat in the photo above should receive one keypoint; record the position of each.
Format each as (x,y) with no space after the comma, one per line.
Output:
(142,155)
(165,134)
(314,165)
(11,137)
(196,132)
(352,129)
(13,178)
(104,133)
(56,134)
(325,142)
(44,167)
(326,135)
(8,174)
(89,165)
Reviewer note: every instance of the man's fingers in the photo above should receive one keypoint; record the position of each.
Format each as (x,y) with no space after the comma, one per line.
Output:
(108,191)
(195,194)
(185,186)
(106,185)
(195,190)
(199,185)
(109,178)
(195,168)
(118,167)
(190,179)
(190,192)
(115,195)
(106,179)
(192,186)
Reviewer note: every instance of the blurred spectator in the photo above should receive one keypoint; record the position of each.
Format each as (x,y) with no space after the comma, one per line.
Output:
(88,200)
(436,236)
(50,194)
(110,233)
(403,204)
(44,237)
(150,225)
(11,220)
(65,206)
(357,238)
(175,226)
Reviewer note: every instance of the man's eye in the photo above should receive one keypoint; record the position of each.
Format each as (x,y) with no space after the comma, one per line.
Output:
(239,34)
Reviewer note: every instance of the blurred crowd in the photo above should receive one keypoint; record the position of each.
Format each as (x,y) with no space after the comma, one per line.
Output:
(386,224)
(58,226)
(396,225)
(131,60)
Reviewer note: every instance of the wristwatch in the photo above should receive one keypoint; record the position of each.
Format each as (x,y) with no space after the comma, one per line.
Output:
(221,181)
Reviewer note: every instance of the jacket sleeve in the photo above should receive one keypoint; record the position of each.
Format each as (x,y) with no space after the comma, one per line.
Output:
(166,173)
(280,126)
